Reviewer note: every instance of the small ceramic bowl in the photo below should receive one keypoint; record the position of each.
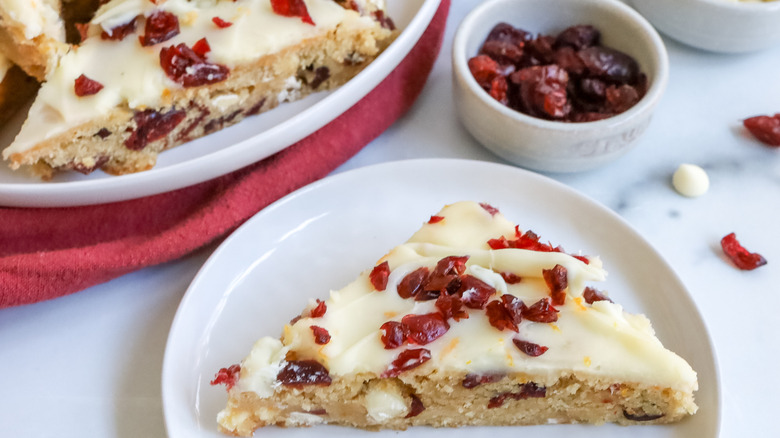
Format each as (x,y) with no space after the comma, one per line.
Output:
(545,145)
(728,26)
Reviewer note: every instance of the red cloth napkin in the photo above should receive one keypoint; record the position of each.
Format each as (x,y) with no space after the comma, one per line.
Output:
(48,253)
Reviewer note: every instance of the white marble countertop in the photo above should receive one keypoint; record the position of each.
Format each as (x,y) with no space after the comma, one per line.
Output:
(89,364)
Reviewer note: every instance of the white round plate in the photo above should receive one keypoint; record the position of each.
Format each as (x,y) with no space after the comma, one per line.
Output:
(322,236)
(250,141)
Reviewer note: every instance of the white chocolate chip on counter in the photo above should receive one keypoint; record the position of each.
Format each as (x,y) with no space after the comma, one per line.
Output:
(690,180)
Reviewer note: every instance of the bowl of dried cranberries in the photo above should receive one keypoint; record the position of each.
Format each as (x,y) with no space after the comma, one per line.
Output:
(557,85)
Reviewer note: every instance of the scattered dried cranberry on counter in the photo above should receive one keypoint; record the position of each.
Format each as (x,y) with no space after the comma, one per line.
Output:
(744,259)
(85,86)
(765,128)
(570,77)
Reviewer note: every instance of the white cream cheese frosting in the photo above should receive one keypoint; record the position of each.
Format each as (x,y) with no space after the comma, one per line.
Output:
(131,74)
(598,340)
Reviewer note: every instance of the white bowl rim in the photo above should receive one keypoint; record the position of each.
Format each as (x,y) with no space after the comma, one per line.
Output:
(649,100)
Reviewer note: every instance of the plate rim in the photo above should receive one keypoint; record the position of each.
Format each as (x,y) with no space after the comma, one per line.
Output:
(426,163)
(217,163)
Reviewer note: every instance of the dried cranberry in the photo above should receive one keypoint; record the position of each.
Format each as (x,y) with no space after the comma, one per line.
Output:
(222,24)
(393,334)
(592,295)
(292,8)
(451,306)
(765,128)
(514,307)
(160,26)
(435,219)
(189,69)
(474,380)
(412,283)
(201,47)
(85,86)
(567,59)
(474,292)
(507,33)
(527,390)
(578,37)
(416,407)
(321,74)
(744,259)
(152,125)
(541,311)
(620,98)
(227,376)
(407,360)
(610,64)
(542,91)
(510,278)
(321,335)
(297,373)
(424,329)
(489,208)
(557,280)
(119,33)
(83,30)
(379,275)
(540,50)
(383,20)
(444,278)
(498,89)
(502,52)
(484,69)
(529,348)
(499,317)
(319,309)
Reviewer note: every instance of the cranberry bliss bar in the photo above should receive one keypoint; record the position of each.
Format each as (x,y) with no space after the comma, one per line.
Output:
(470,322)
(152,74)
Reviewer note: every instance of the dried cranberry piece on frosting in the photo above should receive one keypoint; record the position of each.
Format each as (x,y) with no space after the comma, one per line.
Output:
(412,283)
(379,275)
(394,334)
(152,125)
(118,33)
(407,360)
(319,309)
(292,8)
(499,317)
(321,335)
(557,280)
(451,306)
(185,66)
(529,348)
(160,27)
(591,295)
(474,292)
(424,329)
(85,86)
(222,24)
(541,311)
